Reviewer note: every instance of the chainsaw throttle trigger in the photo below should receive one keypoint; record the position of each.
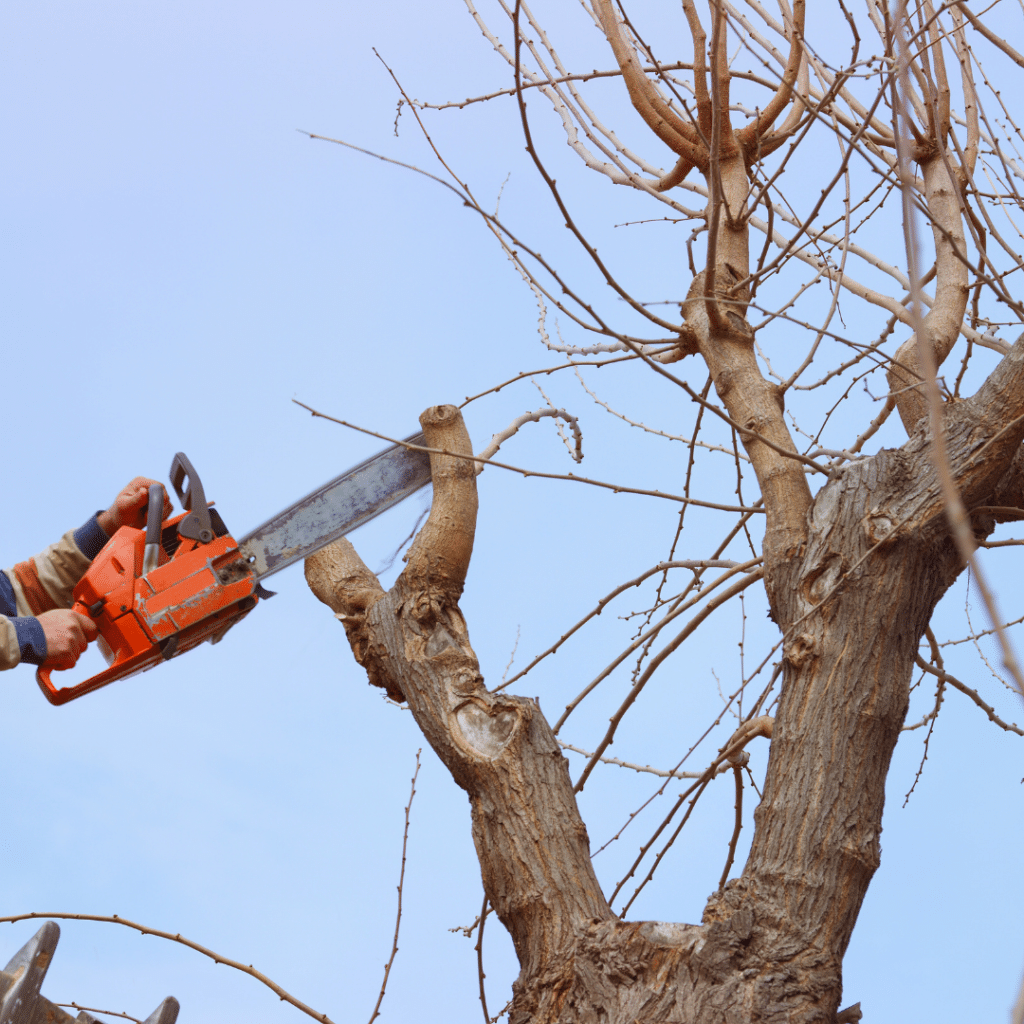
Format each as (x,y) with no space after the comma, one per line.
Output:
(198,525)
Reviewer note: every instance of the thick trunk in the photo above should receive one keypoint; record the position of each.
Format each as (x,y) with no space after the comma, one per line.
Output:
(853,623)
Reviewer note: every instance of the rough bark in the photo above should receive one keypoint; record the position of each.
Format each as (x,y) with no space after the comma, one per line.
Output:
(531,842)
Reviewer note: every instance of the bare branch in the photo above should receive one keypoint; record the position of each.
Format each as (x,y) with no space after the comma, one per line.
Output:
(679,136)
(968,692)
(737,772)
(617,488)
(107,1013)
(217,958)
(532,417)
(995,40)
(401,883)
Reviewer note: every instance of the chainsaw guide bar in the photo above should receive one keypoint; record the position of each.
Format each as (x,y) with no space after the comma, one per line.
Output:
(337,508)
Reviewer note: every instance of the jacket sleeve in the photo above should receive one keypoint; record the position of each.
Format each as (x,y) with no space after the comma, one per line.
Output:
(39,585)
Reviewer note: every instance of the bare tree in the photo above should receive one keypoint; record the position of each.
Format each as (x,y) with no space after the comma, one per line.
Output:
(791,171)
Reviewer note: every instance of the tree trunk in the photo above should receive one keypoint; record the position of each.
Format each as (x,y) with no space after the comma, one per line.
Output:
(853,601)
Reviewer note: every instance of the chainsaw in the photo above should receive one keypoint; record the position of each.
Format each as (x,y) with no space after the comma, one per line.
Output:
(159,592)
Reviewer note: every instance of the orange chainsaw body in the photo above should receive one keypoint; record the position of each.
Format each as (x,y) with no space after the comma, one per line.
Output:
(196,592)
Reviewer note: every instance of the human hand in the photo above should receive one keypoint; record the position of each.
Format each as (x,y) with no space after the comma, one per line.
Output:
(129,506)
(67,635)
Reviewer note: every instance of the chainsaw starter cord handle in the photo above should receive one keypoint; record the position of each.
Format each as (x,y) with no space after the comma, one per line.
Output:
(151,554)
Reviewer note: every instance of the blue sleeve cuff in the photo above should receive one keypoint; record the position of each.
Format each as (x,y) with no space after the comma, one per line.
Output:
(31,640)
(8,602)
(91,537)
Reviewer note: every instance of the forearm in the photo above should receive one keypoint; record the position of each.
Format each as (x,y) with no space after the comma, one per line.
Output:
(47,581)
(41,584)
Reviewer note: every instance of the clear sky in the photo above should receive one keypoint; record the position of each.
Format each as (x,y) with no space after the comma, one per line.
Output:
(179,263)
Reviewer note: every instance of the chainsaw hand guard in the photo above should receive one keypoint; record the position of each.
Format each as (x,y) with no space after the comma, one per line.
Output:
(193,499)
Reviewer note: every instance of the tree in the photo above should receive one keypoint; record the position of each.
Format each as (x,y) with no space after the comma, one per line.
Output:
(857,549)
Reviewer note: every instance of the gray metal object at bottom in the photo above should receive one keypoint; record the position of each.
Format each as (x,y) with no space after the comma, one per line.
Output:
(337,508)
(22,978)
(165,1013)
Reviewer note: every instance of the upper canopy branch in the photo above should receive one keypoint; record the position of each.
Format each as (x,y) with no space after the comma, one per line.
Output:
(693,141)
(944,179)
(751,135)
(682,138)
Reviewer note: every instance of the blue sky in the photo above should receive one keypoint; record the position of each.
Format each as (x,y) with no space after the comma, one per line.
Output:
(179,264)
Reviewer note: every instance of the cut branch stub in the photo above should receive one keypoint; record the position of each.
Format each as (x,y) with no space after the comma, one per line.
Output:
(439,557)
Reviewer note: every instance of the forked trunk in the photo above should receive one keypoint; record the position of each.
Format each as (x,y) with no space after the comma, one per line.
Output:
(852,600)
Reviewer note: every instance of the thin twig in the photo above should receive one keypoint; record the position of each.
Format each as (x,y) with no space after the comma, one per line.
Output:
(934,715)
(617,488)
(738,774)
(752,727)
(668,649)
(106,1013)
(723,563)
(401,883)
(967,691)
(660,772)
(534,417)
(479,947)
(512,656)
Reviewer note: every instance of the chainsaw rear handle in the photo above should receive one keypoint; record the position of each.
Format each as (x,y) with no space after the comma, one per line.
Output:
(64,694)
(116,671)
(196,526)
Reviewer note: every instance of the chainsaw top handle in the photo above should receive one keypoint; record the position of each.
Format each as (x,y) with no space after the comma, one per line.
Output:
(198,525)
(154,510)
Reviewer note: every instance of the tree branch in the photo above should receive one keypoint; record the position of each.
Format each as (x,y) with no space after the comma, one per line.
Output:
(499,748)
(680,137)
